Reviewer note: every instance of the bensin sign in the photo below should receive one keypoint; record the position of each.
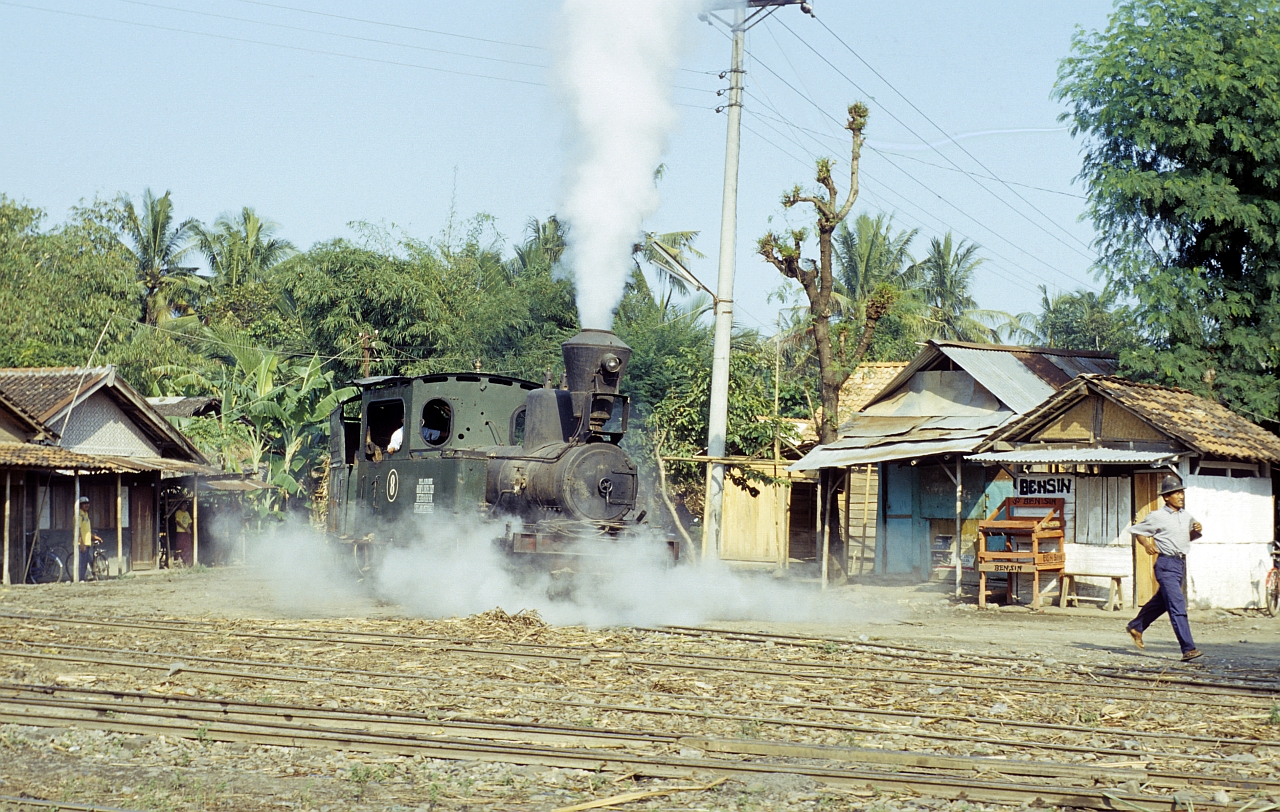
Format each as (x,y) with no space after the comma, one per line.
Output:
(1051,486)
(1045,485)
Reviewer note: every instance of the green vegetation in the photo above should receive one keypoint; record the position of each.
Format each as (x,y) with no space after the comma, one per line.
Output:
(1178,105)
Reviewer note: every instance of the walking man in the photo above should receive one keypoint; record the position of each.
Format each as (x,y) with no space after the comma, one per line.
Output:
(1167,534)
(86,538)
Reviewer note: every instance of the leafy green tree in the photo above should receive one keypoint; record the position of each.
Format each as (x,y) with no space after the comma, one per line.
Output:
(1178,105)
(60,286)
(274,417)
(946,282)
(241,248)
(1078,320)
(875,260)
(158,247)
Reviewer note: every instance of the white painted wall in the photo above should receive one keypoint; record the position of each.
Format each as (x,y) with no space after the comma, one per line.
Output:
(1227,567)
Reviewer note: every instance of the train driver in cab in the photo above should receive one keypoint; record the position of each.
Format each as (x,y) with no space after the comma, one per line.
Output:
(397,438)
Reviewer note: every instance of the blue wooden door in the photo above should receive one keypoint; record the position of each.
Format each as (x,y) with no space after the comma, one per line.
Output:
(900,545)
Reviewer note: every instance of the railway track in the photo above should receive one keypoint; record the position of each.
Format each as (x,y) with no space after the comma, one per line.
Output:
(166,662)
(444,703)
(1003,781)
(1161,688)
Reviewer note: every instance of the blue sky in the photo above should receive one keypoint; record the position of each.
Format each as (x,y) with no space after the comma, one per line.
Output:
(322,113)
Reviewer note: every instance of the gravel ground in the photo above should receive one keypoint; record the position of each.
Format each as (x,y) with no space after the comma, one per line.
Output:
(755,680)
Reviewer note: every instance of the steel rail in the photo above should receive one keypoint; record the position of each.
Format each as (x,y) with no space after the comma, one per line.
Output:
(1034,685)
(915,652)
(1162,683)
(945,786)
(68,806)
(989,721)
(739,718)
(204,710)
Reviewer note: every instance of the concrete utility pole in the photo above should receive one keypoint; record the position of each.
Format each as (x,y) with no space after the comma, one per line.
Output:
(718,419)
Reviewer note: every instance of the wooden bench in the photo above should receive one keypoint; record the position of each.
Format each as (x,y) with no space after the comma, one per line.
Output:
(1067,590)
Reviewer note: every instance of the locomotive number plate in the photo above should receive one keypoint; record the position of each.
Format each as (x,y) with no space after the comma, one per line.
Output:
(424,499)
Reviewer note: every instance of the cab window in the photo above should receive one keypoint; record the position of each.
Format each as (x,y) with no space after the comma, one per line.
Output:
(437,421)
(383,419)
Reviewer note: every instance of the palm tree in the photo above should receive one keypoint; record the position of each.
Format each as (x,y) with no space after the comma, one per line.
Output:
(243,248)
(946,279)
(669,254)
(870,255)
(158,246)
(1078,320)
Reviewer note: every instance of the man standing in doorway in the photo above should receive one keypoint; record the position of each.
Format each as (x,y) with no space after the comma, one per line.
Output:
(86,538)
(1167,533)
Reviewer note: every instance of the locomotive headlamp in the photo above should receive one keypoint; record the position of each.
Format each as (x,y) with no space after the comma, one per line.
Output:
(611,362)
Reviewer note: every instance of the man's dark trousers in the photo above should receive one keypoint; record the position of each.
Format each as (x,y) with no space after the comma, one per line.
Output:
(1170,572)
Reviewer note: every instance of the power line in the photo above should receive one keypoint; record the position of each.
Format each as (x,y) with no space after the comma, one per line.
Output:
(1007,276)
(331,33)
(935,125)
(392,25)
(818,107)
(271,44)
(948,159)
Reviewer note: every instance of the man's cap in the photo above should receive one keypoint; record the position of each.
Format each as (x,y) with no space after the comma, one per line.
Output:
(84,499)
(1171,484)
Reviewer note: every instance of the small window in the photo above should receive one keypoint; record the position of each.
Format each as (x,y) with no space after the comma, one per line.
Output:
(517,426)
(383,419)
(437,419)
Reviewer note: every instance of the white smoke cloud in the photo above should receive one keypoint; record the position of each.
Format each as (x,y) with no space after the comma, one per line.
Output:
(616,66)
(446,566)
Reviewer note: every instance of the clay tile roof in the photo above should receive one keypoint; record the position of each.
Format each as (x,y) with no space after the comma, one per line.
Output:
(1204,425)
(32,455)
(44,391)
(865,383)
(185,406)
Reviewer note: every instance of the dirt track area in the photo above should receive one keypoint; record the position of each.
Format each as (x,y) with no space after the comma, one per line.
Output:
(210,690)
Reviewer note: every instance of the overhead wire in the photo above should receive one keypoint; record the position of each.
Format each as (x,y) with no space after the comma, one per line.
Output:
(978,223)
(300,48)
(981,225)
(1006,275)
(941,154)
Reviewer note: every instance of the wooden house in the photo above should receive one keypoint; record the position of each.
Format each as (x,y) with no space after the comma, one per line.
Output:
(917,430)
(1103,444)
(69,432)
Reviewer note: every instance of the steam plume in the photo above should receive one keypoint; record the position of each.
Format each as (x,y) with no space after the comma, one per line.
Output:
(616,66)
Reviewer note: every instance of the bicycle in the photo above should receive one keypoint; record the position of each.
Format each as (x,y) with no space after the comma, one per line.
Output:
(98,568)
(46,567)
(1272,593)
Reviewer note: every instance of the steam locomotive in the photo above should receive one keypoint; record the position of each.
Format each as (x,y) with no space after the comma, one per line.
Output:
(407,452)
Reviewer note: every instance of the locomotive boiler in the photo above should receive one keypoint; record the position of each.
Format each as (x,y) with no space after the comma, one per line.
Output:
(412,453)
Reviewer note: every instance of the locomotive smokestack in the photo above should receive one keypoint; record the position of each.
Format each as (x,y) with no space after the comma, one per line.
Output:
(594,361)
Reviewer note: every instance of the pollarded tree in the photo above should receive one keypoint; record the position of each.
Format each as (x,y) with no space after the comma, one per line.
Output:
(1178,103)
(818,278)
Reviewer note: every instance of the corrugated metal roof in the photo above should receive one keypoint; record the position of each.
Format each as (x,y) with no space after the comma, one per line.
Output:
(185,406)
(1075,456)
(1004,375)
(828,457)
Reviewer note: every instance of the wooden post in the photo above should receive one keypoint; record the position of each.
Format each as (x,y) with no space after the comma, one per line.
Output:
(848,518)
(822,523)
(195,520)
(75,531)
(866,506)
(119,528)
(8,477)
(955,544)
